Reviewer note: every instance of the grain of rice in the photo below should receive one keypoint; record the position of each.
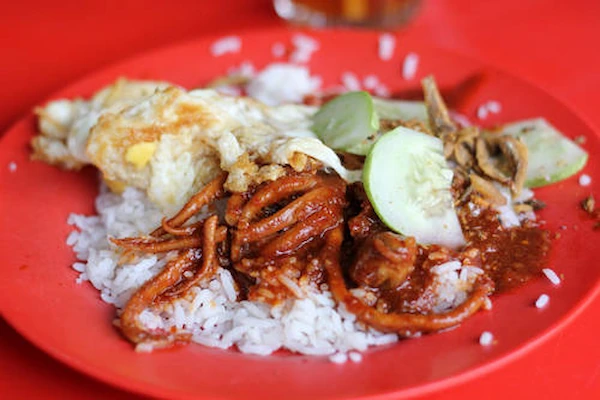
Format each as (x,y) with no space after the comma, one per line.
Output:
(214,285)
(487,305)
(461,119)
(585,180)
(278,50)
(72,238)
(306,42)
(291,285)
(381,90)
(494,106)
(474,209)
(444,268)
(491,106)
(227,44)
(370,82)
(350,81)
(486,338)
(384,339)
(387,45)
(355,356)
(283,83)
(338,358)
(552,276)
(304,47)
(246,69)
(409,66)
(542,301)
(12,166)
(228,284)
(79,267)
(482,112)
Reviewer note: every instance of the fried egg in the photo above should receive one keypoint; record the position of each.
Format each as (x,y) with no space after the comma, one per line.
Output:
(170,142)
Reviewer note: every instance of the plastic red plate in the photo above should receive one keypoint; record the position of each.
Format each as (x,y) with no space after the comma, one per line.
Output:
(40,298)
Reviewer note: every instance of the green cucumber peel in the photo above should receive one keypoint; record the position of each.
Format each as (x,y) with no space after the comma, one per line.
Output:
(552,156)
(346,121)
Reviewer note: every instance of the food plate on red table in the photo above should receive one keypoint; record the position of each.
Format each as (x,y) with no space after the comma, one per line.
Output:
(43,301)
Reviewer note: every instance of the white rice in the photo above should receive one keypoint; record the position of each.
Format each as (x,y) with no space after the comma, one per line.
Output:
(552,276)
(452,284)
(409,66)
(304,47)
(245,69)
(387,45)
(370,82)
(488,305)
(542,301)
(482,112)
(489,107)
(350,81)
(227,44)
(12,166)
(355,356)
(381,90)
(338,358)
(281,83)
(585,180)
(278,50)
(312,324)
(486,339)
(462,119)
(508,217)
(494,106)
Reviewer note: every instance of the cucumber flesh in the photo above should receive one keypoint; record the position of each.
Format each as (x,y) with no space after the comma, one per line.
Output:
(346,121)
(350,122)
(408,183)
(400,109)
(391,109)
(552,157)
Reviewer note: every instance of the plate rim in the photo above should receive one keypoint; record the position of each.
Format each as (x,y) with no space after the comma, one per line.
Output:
(116,381)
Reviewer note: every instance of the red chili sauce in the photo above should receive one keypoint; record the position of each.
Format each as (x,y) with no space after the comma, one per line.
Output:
(511,257)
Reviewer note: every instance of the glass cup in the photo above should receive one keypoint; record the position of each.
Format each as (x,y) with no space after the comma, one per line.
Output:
(358,13)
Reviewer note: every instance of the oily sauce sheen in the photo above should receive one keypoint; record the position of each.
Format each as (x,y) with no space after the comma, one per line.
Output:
(510,257)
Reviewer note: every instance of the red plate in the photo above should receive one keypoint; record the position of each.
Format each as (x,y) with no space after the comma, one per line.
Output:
(40,298)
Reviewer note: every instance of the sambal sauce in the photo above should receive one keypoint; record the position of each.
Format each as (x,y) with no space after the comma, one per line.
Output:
(511,257)
(398,274)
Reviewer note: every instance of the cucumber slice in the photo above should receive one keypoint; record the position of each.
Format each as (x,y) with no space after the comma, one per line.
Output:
(552,156)
(400,109)
(408,182)
(391,109)
(350,122)
(362,148)
(346,121)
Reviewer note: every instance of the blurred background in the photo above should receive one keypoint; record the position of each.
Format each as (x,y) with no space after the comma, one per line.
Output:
(46,45)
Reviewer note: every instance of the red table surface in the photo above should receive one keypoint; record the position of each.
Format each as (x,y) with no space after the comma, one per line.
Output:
(552,44)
